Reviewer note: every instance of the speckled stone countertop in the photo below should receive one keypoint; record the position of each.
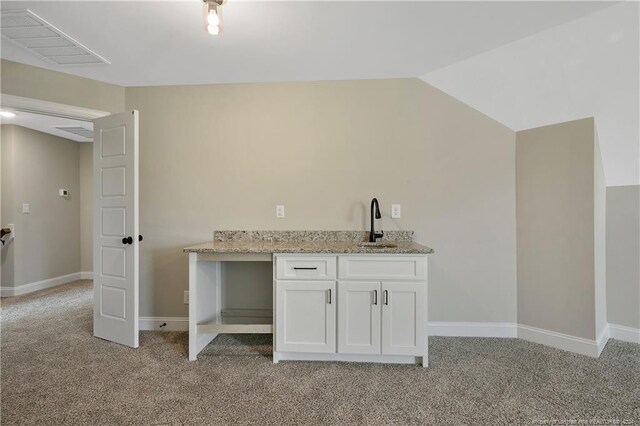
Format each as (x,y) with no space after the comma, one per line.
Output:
(307,242)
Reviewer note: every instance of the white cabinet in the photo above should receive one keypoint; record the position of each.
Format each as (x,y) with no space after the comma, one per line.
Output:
(359,317)
(305,316)
(379,313)
(404,325)
(381,267)
(385,318)
(306,267)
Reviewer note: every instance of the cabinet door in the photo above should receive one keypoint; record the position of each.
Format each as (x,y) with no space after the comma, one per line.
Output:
(359,317)
(403,318)
(305,316)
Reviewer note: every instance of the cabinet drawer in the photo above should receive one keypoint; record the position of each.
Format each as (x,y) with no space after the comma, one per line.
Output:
(306,267)
(381,267)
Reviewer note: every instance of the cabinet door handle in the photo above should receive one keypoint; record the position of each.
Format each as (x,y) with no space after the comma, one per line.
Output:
(329,296)
(304,268)
(386,297)
(375,297)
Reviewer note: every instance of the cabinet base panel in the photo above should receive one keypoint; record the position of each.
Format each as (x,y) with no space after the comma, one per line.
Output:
(381,359)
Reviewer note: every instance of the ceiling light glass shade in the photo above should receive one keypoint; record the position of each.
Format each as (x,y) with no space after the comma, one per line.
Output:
(213,29)
(7,114)
(213,18)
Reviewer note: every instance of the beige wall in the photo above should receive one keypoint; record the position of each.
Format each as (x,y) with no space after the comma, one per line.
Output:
(600,238)
(7,205)
(39,83)
(47,242)
(222,156)
(2,255)
(86,206)
(556,219)
(623,255)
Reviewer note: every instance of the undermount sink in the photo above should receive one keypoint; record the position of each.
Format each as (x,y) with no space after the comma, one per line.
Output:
(377,245)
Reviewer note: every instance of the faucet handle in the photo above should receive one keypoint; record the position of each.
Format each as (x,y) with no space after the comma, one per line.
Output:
(380,235)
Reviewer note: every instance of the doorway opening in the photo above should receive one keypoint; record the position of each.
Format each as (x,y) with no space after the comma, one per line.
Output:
(46,194)
(69,208)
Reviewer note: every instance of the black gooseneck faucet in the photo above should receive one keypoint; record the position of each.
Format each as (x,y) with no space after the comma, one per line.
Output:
(373,235)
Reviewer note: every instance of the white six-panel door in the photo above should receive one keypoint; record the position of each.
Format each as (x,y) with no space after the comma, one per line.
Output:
(115,228)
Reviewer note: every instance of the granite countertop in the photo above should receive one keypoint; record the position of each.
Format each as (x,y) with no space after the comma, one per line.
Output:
(307,242)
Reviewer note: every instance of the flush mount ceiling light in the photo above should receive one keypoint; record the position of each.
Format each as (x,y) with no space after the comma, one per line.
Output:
(7,114)
(213,15)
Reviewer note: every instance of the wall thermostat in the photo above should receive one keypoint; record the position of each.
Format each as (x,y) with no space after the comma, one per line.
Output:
(63,192)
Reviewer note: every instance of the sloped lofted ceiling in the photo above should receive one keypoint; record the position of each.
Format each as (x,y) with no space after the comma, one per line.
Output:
(164,42)
(589,67)
(525,64)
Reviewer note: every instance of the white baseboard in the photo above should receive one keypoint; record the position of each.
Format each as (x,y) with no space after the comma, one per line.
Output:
(562,341)
(86,275)
(473,329)
(39,285)
(164,323)
(451,329)
(624,333)
(603,339)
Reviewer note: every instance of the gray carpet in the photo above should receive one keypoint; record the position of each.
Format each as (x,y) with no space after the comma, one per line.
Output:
(54,372)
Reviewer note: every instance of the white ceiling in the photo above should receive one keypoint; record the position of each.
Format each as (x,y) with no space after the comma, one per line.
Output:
(585,68)
(48,124)
(165,43)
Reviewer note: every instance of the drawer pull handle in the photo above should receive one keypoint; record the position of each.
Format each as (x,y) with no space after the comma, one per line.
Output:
(375,297)
(386,297)
(329,296)
(304,268)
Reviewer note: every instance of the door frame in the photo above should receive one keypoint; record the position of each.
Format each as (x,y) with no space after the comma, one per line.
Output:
(39,106)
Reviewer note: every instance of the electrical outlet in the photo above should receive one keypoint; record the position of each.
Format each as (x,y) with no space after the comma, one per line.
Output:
(395,211)
(279,211)
(186,297)
(26,208)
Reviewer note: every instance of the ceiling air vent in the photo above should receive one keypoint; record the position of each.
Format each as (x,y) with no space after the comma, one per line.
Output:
(27,30)
(77,130)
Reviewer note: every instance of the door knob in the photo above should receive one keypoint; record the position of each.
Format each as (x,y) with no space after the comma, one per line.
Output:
(127,240)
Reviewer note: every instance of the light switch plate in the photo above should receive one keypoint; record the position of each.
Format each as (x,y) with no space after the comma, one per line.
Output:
(26,208)
(279,211)
(395,211)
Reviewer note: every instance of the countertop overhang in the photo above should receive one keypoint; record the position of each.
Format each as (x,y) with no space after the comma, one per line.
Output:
(292,247)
